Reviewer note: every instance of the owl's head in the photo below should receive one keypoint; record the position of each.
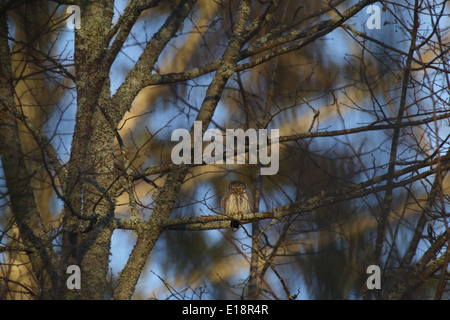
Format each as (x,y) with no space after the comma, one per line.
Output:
(237,186)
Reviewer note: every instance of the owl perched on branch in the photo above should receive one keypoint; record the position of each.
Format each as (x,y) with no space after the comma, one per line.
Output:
(236,202)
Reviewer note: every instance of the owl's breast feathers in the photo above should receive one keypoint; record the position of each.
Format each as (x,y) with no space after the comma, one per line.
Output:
(236,203)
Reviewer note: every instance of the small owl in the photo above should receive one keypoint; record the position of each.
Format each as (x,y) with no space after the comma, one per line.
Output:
(236,202)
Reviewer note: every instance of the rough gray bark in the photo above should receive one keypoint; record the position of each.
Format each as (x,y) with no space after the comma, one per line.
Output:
(168,195)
